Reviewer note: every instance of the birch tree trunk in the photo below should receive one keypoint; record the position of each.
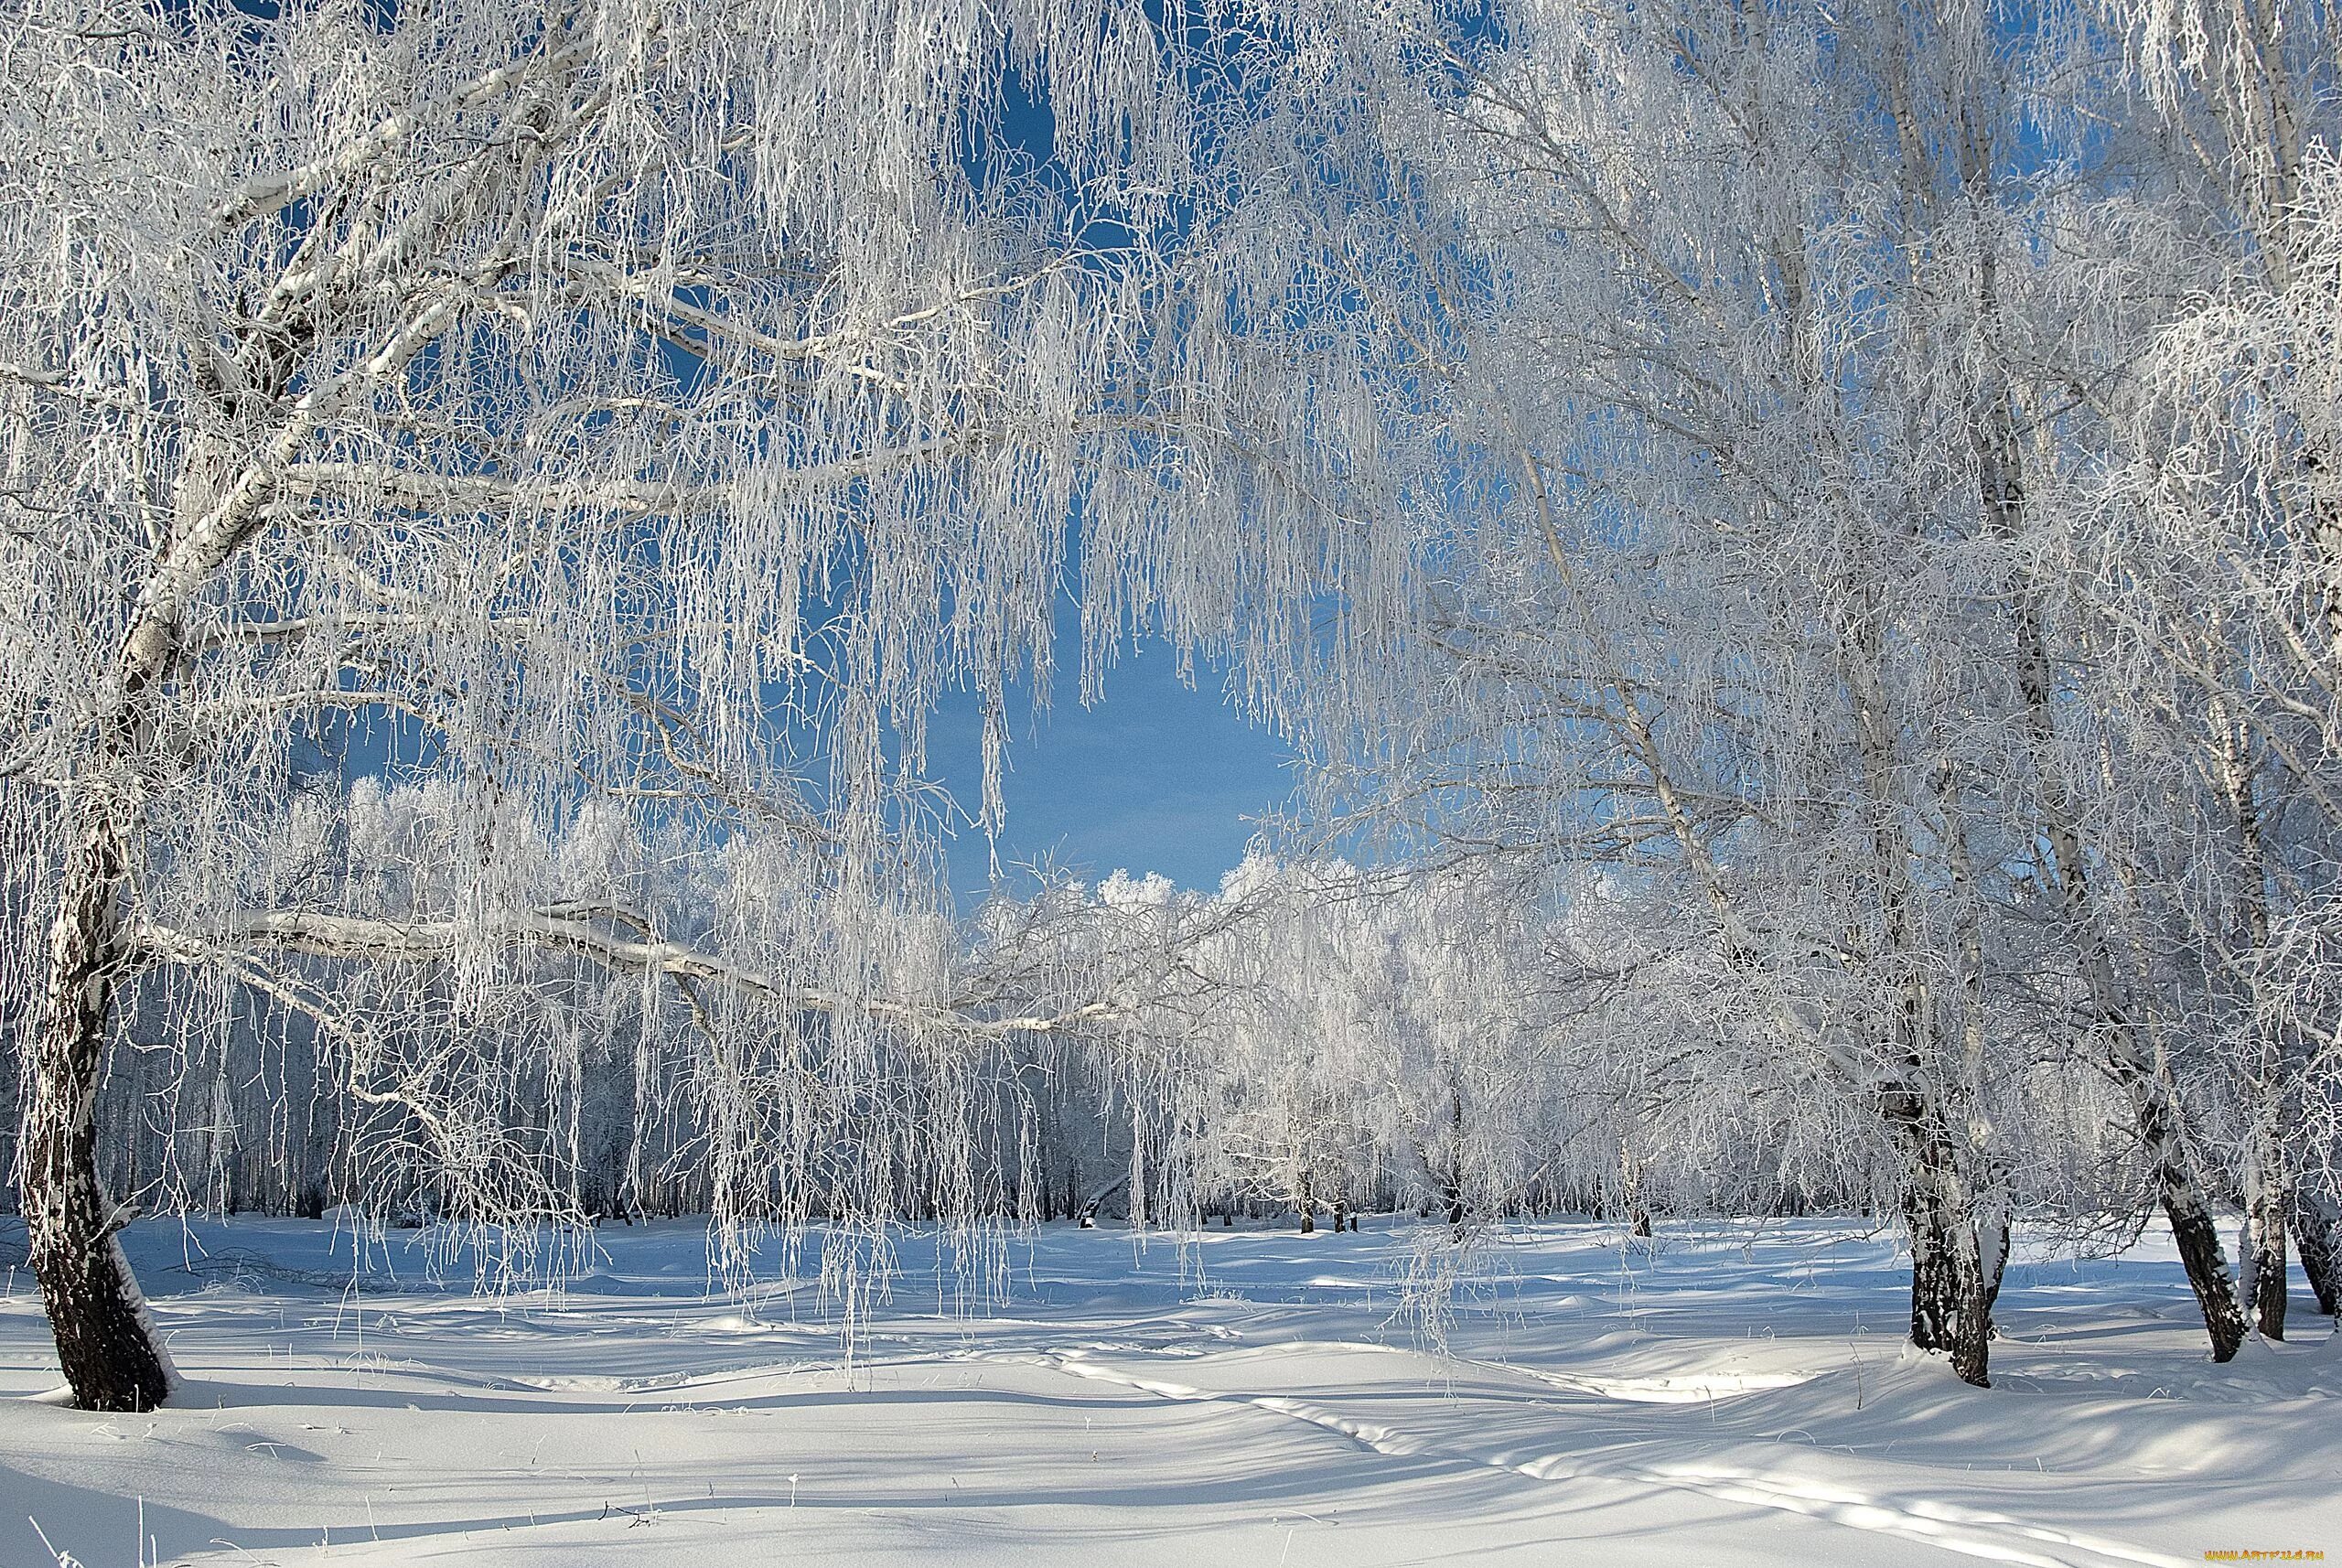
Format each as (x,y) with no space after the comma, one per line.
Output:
(106,1344)
(2261,1284)
(2312,1224)
(2192,1226)
(1451,1180)
(2267,1186)
(1951,1296)
(2138,1068)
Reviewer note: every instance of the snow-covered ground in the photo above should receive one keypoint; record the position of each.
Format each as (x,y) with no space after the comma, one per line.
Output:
(1739,1397)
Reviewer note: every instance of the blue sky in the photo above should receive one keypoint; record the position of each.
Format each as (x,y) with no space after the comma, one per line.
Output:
(1155,777)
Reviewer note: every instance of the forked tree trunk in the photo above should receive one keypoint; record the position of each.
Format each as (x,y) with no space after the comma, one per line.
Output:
(111,1355)
(1950,1308)
(1950,1296)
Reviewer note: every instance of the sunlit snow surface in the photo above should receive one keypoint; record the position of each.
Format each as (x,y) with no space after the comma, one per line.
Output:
(1737,1397)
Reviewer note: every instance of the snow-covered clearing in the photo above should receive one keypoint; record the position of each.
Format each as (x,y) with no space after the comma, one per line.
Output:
(1739,1397)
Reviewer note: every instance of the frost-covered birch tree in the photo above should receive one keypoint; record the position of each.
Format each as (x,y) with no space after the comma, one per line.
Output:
(641,403)
(1789,357)
(2217,564)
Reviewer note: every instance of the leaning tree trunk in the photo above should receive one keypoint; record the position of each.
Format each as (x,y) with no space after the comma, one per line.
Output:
(2192,1226)
(1993,1246)
(107,1346)
(2312,1224)
(2154,1104)
(2206,1264)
